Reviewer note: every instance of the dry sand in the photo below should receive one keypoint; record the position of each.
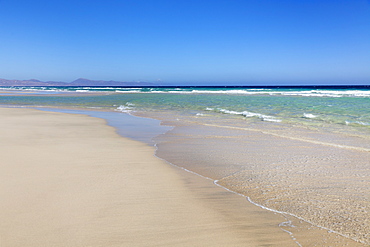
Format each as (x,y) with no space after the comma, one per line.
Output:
(70,180)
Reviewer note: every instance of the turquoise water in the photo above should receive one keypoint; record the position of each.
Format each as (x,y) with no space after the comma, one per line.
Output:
(340,108)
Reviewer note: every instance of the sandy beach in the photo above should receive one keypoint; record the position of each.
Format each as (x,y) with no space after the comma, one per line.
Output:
(71,180)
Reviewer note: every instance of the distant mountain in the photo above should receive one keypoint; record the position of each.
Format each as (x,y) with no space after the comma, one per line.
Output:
(31,82)
(87,82)
(79,82)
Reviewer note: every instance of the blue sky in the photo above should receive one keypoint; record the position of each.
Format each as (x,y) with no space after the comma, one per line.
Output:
(231,42)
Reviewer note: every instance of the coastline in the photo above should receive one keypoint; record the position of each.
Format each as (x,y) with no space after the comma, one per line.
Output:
(100,210)
(70,180)
(250,163)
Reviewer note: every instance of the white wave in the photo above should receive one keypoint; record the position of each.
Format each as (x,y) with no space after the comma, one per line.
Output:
(325,93)
(230,112)
(261,116)
(128,91)
(246,92)
(123,108)
(98,88)
(270,119)
(209,92)
(309,115)
(303,93)
(209,109)
(127,108)
(199,114)
(108,88)
(251,114)
(357,123)
(259,89)
(157,91)
(38,89)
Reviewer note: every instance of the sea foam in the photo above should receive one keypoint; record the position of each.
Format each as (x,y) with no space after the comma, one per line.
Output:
(126,108)
(357,123)
(251,114)
(309,115)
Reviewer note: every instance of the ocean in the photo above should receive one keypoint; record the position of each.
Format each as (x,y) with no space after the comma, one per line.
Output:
(299,151)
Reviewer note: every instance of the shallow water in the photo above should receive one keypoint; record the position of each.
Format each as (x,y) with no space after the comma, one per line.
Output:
(319,176)
(140,129)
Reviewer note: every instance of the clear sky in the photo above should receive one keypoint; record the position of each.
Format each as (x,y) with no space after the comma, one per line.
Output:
(251,42)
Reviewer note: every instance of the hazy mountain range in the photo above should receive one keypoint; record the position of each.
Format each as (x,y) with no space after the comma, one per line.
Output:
(78,82)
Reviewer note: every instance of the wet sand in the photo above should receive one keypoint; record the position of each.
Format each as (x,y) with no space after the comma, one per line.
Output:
(70,180)
(320,177)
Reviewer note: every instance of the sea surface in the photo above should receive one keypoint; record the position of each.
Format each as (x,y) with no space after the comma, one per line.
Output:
(300,151)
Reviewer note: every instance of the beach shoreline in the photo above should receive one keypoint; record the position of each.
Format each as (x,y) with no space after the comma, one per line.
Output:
(79,183)
(70,180)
